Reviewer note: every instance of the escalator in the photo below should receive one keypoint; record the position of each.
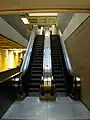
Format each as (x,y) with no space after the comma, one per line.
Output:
(35,69)
(57,66)
(62,78)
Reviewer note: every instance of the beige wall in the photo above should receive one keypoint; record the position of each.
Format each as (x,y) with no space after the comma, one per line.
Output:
(78,47)
(43,4)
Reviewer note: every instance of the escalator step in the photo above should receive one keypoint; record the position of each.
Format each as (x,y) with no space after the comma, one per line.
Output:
(33,94)
(57,72)
(34,89)
(33,80)
(36,66)
(59,85)
(36,85)
(57,66)
(61,94)
(36,71)
(60,90)
(59,80)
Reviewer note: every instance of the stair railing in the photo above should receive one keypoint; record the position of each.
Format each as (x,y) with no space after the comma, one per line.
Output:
(27,56)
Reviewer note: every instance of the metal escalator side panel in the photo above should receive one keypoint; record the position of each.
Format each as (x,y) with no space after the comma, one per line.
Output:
(27,56)
(69,76)
(66,57)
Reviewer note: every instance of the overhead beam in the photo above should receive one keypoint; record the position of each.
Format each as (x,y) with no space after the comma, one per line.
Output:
(29,5)
(64,10)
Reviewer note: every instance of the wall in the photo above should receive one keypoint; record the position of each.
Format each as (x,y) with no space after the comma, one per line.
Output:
(3,60)
(63,20)
(76,20)
(9,59)
(78,47)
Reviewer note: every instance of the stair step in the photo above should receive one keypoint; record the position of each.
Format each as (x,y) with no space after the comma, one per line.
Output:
(36,71)
(59,80)
(57,65)
(34,89)
(37,61)
(58,76)
(38,46)
(57,62)
(36,68)
(37,58)
(57,72)
(36,75)
(60,90)
(34,64)
(61,94)
(34,85)
(35,80)
(59,85)
(34,94)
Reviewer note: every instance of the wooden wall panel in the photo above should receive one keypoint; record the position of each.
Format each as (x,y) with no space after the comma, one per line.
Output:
(78,47)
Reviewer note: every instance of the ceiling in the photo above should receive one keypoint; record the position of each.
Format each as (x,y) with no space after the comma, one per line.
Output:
(30,5)
(6,43)
(18,24)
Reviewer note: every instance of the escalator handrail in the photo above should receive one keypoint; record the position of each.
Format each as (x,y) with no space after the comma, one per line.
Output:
(12,76)
(27,56)
(70,70)
(66,57)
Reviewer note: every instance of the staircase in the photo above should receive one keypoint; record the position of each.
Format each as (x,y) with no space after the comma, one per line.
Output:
(36,67)
(57,66)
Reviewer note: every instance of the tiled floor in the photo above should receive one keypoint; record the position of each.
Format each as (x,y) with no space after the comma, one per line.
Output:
(62,109)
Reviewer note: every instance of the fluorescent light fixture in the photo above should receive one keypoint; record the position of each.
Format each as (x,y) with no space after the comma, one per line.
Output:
(42,14)
(25,20)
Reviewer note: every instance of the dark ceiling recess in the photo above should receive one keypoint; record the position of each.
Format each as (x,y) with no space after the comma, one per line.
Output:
(16,22)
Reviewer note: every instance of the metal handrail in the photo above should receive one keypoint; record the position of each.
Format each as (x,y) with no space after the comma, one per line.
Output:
(12,76)
(67,61)
(27,56)
(68,64)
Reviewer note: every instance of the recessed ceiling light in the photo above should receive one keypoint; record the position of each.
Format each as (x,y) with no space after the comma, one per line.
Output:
(25,20)
(42,14)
